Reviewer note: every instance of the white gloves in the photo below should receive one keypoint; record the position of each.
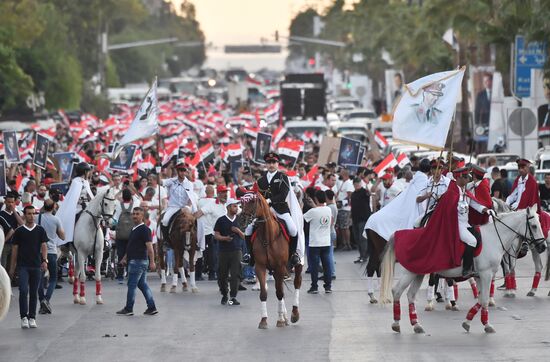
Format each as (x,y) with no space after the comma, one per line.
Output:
(491,212)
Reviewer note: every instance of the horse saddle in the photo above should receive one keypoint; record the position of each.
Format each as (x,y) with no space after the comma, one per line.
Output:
(282,225)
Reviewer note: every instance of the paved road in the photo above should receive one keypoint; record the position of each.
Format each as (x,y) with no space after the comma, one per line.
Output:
(340,327)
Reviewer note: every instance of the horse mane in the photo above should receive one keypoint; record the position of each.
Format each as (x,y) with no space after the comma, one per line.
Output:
(263,211)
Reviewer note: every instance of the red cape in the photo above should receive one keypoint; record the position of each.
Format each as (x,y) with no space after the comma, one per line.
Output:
(530,197)
(436,246)
(482,195)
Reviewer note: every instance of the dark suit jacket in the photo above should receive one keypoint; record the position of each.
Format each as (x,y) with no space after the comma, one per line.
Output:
(542,111)
(483,109)
(277,191)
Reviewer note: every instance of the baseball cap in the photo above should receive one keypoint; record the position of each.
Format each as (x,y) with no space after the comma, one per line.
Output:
(231,201)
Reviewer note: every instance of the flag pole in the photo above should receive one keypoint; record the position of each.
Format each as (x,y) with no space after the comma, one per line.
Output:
(159,179)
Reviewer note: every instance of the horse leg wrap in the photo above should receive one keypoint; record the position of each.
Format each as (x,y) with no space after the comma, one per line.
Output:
(484,315)
(430,293)
(455,291)
(192,279)
(183,278)
(75,287)
(82,288)
(412,314)
(475,291)
(508,282)
(296,298)
(175,279)
(513,278)
(71,269)
(264,309)
(282,308)
(473,311)
(97,287)
(536,280)
(163,276)
(449,293)
(396,311)
(370,287)
(492,290)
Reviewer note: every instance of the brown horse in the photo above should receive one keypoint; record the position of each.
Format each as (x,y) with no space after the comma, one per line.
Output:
(270,250)
(182,237)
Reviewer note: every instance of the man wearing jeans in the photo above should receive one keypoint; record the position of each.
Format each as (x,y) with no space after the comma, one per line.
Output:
(54,230)
(139,247)
(319,218)
(29,254)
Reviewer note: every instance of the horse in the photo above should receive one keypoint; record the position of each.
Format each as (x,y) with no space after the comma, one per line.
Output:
(508,229)
(89,240)
(5,284)
(270,249)
(182,237)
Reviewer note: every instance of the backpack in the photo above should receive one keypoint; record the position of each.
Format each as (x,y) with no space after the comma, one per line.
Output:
(125,223)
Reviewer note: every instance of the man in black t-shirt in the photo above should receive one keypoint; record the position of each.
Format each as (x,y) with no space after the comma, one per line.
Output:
(499,189)
(227,232)
(139,255)
(30,255)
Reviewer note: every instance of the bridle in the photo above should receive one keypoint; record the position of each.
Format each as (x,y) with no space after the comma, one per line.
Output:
(103,215)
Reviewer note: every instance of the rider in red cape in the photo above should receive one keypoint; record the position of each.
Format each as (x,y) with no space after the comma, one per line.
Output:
(437,246)
(482,191)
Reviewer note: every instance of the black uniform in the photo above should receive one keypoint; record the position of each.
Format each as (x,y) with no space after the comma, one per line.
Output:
(276,190)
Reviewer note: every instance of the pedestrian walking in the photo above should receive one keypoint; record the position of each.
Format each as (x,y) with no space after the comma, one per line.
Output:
(54,231)
(30,256)
(360,212)
(230,237)
(139,256)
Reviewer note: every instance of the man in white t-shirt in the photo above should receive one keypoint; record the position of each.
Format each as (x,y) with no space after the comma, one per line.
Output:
(210,209)
(319,218)
(343,221)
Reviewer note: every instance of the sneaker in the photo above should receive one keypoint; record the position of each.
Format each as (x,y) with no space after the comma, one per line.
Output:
(121,281)
(125,311)
(32,323)
(358,261)
(24,323)
(48,306)
(242,287)
(57,286)
(151,311)
(313,291)
(328,291)
(43,309)
(224,300)
(233,301)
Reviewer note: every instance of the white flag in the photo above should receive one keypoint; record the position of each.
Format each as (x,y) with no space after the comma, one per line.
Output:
(145,123)
(424,113)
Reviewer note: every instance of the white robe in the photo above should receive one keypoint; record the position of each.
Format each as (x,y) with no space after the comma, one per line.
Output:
(402,212)
(69,207)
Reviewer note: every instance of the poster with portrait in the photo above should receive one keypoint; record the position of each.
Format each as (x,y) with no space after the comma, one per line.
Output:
(60,187)
(123,162)
(11,148)
(3,185)
(349,151)
(65,164)
(263,146)
(41,151)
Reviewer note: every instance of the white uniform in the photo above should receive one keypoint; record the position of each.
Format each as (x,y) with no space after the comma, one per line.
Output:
(437,189)
(464,204)
(515,197)
(79,189)
(178,196)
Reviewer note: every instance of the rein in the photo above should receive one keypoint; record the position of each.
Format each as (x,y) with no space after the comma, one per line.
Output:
(97,218)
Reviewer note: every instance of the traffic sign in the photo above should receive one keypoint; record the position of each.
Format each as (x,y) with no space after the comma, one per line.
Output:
(527,56)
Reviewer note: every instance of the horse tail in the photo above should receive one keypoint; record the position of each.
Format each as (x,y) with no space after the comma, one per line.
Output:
(5,293)
(386,271)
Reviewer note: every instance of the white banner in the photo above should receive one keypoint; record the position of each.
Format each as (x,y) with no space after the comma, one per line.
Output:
(424,113)
(145,123)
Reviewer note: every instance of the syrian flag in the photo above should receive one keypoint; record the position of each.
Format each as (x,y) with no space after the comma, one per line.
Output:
(233,153)
(424,113)
(83,157)
(389,161)
(170,150)
(148,163)
(252,131)
(402,160)
(145,123)
(207,153)
(381,140)
(278,135)
(289,152)
(193,161)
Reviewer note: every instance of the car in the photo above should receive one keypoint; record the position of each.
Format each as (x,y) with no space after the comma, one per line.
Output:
(542,158)
(512,169)
(354,130)
(348,101)
(539,175)
(298,128)
(356,115)
(502,158)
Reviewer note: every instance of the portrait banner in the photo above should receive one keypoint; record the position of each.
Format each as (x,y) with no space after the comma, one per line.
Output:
(263,146)
(425,111)
(11,148)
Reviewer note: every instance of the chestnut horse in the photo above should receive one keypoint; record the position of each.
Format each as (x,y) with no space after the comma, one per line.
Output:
(270,250)
(182,237)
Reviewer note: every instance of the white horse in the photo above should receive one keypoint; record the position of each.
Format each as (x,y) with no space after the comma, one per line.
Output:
(499,238)
(89,239)
(5,284)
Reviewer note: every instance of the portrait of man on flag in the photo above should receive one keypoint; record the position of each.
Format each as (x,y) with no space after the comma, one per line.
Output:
(123,162)
(349,151)
(263,145)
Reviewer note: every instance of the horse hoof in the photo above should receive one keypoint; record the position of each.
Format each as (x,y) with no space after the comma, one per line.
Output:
(163,288)
(455,308)
(281,323)
(466,326)
(76,299)
(195,290)
(489,329)
(418,328)
(184,287)
(448,306)
(429,307)
(531,293)
(373,300)
(71,280)
(263,324)
(492,302)
(99,301)
(295,316)
(287,323)
(82,301)
(173,289)
(395,327)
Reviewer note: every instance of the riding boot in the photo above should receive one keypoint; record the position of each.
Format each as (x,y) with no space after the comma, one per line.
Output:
(249,256)
(294,258)
(468,262)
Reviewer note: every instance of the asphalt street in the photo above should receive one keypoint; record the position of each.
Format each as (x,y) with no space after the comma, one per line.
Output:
(342,326)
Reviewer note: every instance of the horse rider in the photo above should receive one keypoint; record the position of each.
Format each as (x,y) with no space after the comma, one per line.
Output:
(479,187)
(78,195)
(274,187)
(437,186)
(180,195)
